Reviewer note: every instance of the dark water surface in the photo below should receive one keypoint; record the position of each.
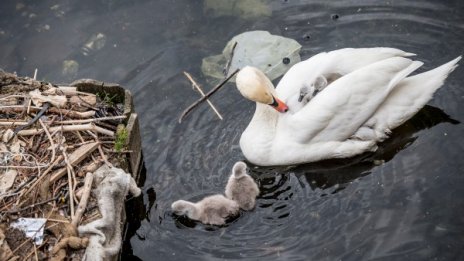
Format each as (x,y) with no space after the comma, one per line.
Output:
(406,202)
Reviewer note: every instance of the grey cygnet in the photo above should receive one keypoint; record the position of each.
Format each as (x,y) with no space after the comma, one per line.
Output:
(241,187)
(212,210)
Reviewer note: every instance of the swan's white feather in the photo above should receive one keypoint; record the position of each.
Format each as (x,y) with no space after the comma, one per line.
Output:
(408,98)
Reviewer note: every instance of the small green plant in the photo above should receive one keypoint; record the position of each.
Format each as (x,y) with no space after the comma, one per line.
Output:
(121,138)
(108,99)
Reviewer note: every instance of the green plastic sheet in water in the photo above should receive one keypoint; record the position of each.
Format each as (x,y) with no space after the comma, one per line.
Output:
(273,54)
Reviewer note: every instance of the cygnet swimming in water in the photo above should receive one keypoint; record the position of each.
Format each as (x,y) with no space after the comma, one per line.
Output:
(213,210)
(241,187)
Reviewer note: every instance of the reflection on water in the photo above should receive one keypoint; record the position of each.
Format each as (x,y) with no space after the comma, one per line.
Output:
(403,202)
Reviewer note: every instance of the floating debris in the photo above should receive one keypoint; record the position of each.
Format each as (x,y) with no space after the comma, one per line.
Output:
(334,17)
(56,10)
(260,49)
(94,43)
(70,68)
(246,9)
(19,6)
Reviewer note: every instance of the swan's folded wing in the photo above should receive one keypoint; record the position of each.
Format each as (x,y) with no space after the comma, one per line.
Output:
(339,62)
(348,60)
(408,97)
(337,112)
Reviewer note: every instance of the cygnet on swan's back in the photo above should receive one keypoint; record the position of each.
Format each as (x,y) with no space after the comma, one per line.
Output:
(212,210)
(241,187)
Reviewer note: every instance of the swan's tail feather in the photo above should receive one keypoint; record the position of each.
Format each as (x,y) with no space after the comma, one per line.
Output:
(392,52)
(405,54)
(452,64)
(409,96)
(402,74)
(428,82)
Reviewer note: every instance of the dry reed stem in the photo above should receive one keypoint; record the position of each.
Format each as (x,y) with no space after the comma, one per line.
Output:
(70,183)
(29,103)
(22,244)
(84,199)
(194,84)
(210,93)
(57,220)
(32,206)
(76,157)
(91,120)
(12,123)
(100,150)
(78,134)
(102,154)
(68,90)
(59,158)
(13,96)
(52,144)
(35,251)
(19,198)
(70,113)
(66,128)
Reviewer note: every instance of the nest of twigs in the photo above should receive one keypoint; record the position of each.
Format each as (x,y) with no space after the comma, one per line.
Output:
(50,138)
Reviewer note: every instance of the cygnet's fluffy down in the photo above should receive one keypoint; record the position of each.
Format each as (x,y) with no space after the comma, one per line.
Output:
(212,210)
(241,187)
(308,91)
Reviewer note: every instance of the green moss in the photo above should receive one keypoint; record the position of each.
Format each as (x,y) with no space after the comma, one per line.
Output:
(121,138)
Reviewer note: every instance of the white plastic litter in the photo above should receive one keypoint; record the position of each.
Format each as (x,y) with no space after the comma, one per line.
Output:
(272,54)
(111,187)
(32,227)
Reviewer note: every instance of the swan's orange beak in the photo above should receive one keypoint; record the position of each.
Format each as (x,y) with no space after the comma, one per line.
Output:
(279,105)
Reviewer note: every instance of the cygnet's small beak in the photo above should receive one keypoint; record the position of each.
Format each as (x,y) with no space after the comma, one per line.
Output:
(279,105)
(303,91)
(316,91)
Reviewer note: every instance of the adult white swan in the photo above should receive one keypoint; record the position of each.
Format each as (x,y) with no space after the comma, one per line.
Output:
(366,94)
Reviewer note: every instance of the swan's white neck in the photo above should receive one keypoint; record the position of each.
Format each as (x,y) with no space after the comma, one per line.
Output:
(265,116)
(258,137)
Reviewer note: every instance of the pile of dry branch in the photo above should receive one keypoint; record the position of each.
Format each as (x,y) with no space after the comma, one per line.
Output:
(51,140)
